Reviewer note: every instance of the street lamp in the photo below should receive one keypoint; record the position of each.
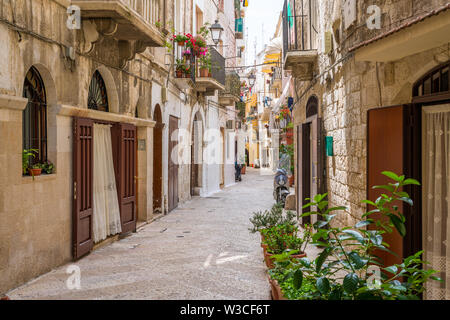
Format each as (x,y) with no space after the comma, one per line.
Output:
(216,32)
(251,80)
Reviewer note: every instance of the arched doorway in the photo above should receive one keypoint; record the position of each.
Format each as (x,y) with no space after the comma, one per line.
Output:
(196,155)
(157,161)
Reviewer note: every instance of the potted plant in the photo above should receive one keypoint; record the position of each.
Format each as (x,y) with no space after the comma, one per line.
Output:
(281,238)
(35,170)
(179,68)
(187,53)
(48,167)
(352,251)
(180,39)
(205,64)
(26,154)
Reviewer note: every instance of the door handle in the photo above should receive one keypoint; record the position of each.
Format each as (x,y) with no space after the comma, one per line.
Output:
(137,178)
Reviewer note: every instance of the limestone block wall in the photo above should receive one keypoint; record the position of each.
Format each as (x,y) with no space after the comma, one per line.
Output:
(351,90)
(36,215)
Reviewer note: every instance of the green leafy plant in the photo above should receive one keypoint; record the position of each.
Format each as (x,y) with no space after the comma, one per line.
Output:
(205,61)
(204,30)
(48,167)
(283,237)
(265,219)
(344,269)
(26,155)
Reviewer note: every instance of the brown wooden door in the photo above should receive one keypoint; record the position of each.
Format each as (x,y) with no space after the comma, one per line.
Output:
(157,167)
(173,164)
(310,163)
(124,154)
(385,153)
(82,220)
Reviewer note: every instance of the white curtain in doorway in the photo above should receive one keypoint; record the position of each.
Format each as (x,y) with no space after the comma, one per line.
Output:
(106,205)
(436,197)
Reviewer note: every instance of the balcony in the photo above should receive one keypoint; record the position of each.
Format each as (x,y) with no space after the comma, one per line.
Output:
(276,81)
(300,38)
(232,92)
(216,81)
(239,28)
(129,21)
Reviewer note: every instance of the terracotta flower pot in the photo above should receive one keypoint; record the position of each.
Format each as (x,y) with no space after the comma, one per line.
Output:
(279,292)
(291,180)
(179,74)
(181,43)
(204,72)
(273,288)
(270,262)
(5,298)
(243,169)
(35,172)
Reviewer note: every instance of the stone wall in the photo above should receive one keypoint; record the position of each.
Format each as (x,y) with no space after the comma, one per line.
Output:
(36,215)
(347,89)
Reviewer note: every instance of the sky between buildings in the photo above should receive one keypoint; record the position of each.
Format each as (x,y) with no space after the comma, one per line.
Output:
(261,19)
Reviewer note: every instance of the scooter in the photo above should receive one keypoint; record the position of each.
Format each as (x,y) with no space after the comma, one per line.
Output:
(281,186)
(237,174)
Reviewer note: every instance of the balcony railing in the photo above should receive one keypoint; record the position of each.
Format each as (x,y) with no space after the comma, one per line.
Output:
(127,20)
(217,66)
(149,10)
(232,92)
(299,26)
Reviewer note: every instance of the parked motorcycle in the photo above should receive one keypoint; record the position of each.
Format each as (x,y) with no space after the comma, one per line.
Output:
(237,174)
(281,186)
(281,180)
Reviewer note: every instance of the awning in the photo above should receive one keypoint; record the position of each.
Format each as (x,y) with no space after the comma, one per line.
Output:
(275,46)
(280,101)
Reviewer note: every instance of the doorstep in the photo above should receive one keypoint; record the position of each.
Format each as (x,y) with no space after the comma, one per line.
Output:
(106,242)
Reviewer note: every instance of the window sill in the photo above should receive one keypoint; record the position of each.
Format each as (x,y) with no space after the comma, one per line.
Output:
(41,178)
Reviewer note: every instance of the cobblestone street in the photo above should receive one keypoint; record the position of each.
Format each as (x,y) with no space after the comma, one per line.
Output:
(202,250)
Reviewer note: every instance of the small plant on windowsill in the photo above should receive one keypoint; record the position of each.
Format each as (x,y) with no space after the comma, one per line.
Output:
(26,154)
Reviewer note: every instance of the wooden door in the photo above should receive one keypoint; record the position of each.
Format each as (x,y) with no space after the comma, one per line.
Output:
(82,215)
(157,167)
(173,164)
(222,158)
(310,164)
(124,155)
(385,153)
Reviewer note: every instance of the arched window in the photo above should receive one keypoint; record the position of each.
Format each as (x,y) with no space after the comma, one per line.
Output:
(312,107)
(34,125)
(435,82)
(97,98)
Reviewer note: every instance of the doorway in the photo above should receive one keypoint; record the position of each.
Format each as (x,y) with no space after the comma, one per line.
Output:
(196,155)
(222,158)
(104,170)
(310,160)
(173,164)
(157,161)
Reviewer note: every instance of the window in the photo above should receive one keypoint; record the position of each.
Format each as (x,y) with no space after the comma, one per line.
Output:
(97,98)
(199,18)
(34,125)
(312,107)
(435,82)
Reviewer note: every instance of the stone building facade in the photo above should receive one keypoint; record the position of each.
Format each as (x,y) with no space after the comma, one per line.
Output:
(351,62)
(133,77)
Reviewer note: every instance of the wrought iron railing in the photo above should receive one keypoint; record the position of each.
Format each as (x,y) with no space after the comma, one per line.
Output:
(232,84)
(277,75)
(217,66)
(299,25)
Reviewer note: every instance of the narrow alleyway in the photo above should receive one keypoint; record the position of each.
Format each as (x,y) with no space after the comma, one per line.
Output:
(202,250)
